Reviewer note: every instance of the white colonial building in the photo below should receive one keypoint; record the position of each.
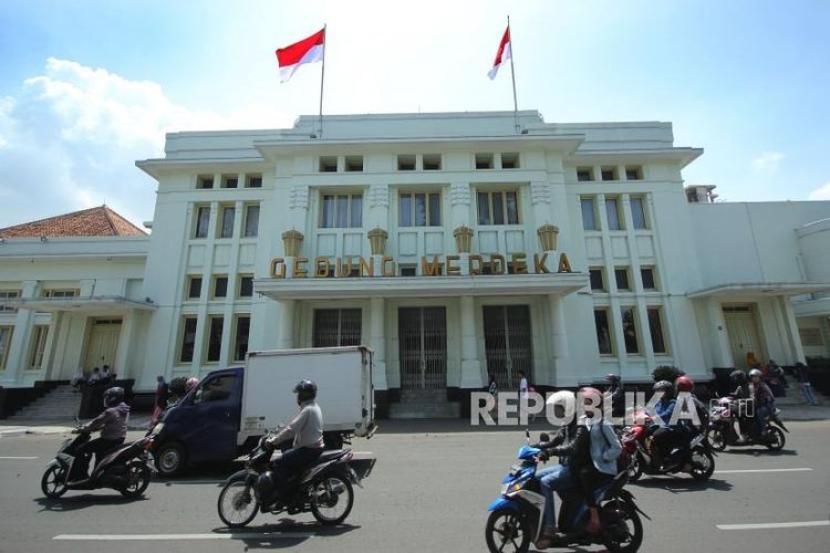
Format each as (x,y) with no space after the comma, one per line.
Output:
(457,247)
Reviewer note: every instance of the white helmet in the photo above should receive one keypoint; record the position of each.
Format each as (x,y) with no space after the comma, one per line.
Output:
(562,397)
(755,372)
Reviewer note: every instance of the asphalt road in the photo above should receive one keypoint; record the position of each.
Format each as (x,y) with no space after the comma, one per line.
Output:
(429,492)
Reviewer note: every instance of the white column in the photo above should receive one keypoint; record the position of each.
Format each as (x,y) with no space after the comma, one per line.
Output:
(471,370)
(18,349)
(377,340)
(559,337)
(285,337)
(721,349)
(126,346)
(794,337)
(51,365)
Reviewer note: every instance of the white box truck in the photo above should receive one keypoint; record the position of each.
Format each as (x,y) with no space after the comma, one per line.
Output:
(231,408)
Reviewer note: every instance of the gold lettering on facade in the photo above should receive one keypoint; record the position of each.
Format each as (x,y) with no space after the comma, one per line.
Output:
(322,267)
(387,267)
(344,268)
(497,264)
(366,269)
(564,264)
(539,263)
(278,268)
(430,269)
(300,271)
(452,268)
(519,260)
(475,262)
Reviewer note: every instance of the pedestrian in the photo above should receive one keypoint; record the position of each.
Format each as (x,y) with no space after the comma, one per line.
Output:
(95,377)
(523,388)
(162,395)
(802,374)
(493,388)
(78,379)
(106,375)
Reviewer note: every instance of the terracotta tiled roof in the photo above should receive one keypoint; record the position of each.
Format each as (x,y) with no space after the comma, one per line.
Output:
(97,221)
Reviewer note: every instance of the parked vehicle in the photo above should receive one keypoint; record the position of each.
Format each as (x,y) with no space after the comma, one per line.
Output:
(515,519)
(695,457)
(225,415)
(128,468)
(324,489)
(722,433)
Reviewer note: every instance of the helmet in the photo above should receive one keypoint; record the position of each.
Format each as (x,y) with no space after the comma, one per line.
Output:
(113,396)
(755,372)
(662,386)
(684,384)
(190,383)
(589,391)
(612,378)
(738,377)
(306,390)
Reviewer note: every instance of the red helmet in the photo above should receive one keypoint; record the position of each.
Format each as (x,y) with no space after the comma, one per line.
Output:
(587,391)
(684,384)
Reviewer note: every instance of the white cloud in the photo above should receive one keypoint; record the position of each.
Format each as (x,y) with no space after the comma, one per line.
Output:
(69,140)
(821,193)
(767,162)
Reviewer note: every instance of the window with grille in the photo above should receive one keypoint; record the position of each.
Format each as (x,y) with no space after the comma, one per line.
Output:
(60,293)
(629,329)
(613,211)
(202,221)
(5,344)
(341,211)
(603,331)
(655,325)
(638,213)
(8,295)
(39,335)
(215,339)
(498,208)
(253,181)
(228,216)
(419,209)
(251,221)
(336,327)
(240,342)
(188,340)
(589,216)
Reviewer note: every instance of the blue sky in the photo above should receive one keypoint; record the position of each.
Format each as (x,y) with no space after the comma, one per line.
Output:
(88,87)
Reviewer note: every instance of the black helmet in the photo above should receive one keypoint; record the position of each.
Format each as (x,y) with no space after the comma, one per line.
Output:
(738,377)
(612,378)
(306,390)
(113,396)
(663,386)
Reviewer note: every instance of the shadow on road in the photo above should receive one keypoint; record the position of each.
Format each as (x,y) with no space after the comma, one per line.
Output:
(279,535)
(763,451)
(77,502)
(680,485)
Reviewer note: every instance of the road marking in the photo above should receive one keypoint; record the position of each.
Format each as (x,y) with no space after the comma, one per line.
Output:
(773,525)
(183,537)
(800,469)
(19,458)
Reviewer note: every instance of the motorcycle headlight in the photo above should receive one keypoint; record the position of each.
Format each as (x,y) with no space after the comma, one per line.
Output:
(513,487)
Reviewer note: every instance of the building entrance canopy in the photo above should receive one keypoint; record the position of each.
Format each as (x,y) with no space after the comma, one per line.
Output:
(96,304)
(422,286)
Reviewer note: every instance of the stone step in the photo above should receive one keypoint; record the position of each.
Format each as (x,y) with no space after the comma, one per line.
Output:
(428,410)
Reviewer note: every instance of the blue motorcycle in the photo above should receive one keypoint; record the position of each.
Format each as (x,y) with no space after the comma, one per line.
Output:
(516,515)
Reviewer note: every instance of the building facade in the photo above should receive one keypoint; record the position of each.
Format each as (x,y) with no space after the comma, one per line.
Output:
(458,248)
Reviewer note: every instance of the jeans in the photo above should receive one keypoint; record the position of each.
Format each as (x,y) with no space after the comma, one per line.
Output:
(555,478)
(292,462)
(807,391)
(761,414)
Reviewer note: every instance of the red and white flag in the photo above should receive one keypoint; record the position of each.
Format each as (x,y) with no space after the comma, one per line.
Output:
(305,51)
(502,55)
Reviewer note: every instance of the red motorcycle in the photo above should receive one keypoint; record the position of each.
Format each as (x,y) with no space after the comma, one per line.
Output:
(695,457)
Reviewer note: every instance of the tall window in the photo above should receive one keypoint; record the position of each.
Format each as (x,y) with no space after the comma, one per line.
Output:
(194,287)
(638,214)
(589,216)
(647,274)
(655,325)
(613,211)
(220,287)
(240,340)
(251,221)
(215,339)
(228,216)
(202,222)
(342,211)
(498,208)
(336,327)
(188,340)
(8,295)
(621,276)
(629,329)
(5,344)
(597,282)
(246,286)
(603,331)
(420,210)
(38,346)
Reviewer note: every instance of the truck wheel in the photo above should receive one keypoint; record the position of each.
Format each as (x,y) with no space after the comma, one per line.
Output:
(332,440)
(170,459)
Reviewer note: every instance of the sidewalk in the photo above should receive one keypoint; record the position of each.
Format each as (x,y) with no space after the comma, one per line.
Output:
(141,421)
(804,413)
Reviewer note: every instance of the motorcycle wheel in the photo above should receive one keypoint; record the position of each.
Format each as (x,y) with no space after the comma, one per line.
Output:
(622,527)
(237,505)
(139,478)
(332,498)
(775,439)
(635,468)
(717,438)
(703,464)
(507,532)
(53,483)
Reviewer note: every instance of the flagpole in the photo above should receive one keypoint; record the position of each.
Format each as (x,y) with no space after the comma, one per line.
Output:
(512,77)
(322,78)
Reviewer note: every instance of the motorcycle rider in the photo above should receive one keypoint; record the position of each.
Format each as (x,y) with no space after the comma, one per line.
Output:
(764,400)
(615,388)
(307,431)
(663,435)
(113,425)
(741,395)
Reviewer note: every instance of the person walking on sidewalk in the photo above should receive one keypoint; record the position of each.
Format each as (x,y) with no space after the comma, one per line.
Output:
(162,395)
(803,376)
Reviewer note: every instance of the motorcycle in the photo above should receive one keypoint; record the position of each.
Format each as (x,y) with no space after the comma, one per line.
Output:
(696,457)
(128,468)
(324,488)
(722,433)
(516,516)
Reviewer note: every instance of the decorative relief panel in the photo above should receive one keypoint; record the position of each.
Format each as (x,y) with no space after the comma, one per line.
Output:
(298,197)
(541,192)
(379,196)
(460,193)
